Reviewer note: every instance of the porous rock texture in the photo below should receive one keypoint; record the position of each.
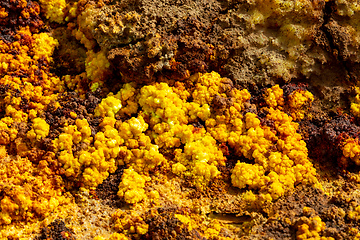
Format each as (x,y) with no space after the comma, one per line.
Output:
(121,129)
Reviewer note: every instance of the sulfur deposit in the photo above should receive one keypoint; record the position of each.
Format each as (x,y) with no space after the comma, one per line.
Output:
(179,119)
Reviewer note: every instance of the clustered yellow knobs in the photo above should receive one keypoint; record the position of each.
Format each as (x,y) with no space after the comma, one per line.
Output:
(297,103)
(30,190)
(154,131)
(311,228)
(165,122)
(350,146)
(40,129)
(274,171)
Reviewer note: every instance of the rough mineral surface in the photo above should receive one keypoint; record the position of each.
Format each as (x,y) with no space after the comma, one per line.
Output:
(179,119)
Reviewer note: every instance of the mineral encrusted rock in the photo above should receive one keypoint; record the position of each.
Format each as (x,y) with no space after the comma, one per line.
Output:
(179,119)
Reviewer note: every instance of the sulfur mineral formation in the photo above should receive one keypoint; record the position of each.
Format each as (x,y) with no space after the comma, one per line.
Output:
(207,119)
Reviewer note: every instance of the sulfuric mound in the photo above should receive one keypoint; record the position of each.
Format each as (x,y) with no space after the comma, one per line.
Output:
(208,119)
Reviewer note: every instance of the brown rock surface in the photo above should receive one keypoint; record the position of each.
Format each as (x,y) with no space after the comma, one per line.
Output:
(253,44)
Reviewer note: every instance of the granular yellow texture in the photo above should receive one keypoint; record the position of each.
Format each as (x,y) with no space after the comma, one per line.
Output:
(31,188)
(311,229)
(351,150)
(131,188)
(176,143)
(30,191)
(129,222)
(97,68)
(355,214)
(201,156)
(7,133)
(127,95)
(54,9)
(286,164)
(38,96)
(206,87)
(169,117)
(108,107)
(299,102)
(40,129)
(44,46)
(355,106)
(274,96)
(169,128)
(138,151)
(209,230)
(92,164)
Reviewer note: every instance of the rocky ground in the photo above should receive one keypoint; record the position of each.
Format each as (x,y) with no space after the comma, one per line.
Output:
(179,119)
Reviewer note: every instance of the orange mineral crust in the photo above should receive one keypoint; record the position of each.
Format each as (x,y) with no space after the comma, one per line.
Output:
(159,119)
